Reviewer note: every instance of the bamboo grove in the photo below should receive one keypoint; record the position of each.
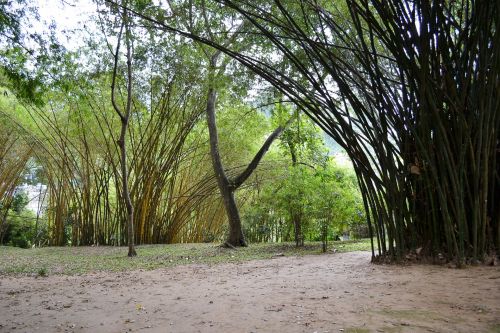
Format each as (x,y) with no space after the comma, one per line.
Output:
(14,154)
(82,173)
(410,90)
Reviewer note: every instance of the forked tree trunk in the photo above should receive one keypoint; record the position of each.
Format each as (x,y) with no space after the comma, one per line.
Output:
(235,236)
(228,186)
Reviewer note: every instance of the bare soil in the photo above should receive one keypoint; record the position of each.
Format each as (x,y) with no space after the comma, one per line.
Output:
(340,292)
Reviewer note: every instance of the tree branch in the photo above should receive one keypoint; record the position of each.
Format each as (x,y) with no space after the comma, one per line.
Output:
(235,183)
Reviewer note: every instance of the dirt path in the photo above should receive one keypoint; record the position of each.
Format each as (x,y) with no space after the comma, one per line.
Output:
(334,293)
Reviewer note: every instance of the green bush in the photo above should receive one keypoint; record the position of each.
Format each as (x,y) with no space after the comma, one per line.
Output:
(23,231)
(326,199)
(19,222)
(20,232)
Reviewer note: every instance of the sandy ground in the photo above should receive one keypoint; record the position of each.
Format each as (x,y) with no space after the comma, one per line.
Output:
(329,293)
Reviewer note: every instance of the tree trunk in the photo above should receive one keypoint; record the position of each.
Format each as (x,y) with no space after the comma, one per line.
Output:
(296,217)
(299,239)
(324,235)
(125,190)
(235,237)
(3,225)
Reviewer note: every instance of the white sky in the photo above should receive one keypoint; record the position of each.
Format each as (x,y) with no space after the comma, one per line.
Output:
(68,15)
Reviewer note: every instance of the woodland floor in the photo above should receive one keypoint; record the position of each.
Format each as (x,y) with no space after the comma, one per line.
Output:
(337,292)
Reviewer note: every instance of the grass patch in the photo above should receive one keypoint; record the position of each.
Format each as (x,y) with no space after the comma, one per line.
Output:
(42,272)
(79,260)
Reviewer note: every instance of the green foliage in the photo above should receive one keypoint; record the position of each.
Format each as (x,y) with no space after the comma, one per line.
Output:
(302,141)
(23,228)
(313,198)
(20,230)
(324,199)
(40,232)
(340,199)
(241,132)
(26,54)
(42,272)
(19,202)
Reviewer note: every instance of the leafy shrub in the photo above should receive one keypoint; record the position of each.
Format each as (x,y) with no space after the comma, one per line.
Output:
(42,272)
(20,232)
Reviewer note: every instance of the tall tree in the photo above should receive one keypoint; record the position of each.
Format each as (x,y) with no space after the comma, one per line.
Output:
(229,33)
(124,119)
(228,186)
(303,143)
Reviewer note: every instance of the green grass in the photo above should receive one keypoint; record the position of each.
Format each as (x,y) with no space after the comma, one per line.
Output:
(79,260)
